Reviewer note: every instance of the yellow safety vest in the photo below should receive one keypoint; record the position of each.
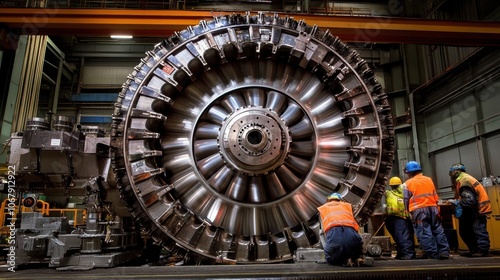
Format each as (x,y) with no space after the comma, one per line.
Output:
(395,203)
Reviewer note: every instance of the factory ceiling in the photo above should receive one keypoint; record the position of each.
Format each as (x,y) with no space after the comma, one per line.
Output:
(163,23)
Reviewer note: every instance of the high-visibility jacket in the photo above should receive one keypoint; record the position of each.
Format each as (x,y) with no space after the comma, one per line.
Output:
(395,203)
(423,192)
(337,213)
(484,204)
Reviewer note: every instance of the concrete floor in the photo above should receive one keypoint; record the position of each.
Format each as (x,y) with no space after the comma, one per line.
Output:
(383,268)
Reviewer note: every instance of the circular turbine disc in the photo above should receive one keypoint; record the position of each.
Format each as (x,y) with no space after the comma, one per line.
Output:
(229,134)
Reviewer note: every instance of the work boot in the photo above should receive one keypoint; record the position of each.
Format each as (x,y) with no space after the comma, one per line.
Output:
(424,256)
(444,256)
(479,255)
(466,254)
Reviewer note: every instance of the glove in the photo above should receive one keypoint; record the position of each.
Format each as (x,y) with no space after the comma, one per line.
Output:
(452,201)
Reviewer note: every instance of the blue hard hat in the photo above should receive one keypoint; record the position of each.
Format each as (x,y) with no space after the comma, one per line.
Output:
(335,196)
(457,166)
(412,166)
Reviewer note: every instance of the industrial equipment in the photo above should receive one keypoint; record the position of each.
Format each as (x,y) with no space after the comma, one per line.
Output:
(225,139)
(229,134)
(68,162)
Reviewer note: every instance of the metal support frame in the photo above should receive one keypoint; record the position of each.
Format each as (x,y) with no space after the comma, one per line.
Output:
(152,23)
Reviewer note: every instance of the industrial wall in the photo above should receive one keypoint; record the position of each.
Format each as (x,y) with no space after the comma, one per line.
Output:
(460,118)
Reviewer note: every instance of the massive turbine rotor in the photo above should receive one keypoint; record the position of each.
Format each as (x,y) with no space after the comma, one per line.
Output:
(229,134)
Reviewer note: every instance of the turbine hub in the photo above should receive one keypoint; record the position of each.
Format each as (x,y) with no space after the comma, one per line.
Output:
(254,141)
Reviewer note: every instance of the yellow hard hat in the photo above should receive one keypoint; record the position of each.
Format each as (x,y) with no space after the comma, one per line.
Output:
(394,181)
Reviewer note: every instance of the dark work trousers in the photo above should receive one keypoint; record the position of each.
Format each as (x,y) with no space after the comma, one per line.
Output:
(401,230)
(472,229)
(342,243)
(430,232)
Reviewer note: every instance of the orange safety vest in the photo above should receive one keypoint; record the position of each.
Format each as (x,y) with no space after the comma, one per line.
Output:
(336,213)
(484,204)
(423,190)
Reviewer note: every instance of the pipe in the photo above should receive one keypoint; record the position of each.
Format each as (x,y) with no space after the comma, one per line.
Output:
(57,88)
(18,112)
(416,147)
(29,85)
(80,76)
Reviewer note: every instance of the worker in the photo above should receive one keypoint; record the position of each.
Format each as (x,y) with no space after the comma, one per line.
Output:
(398,221)
(421,200)
(475,204)
(343,244)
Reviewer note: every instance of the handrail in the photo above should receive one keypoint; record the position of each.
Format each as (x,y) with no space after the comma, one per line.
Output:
(78,215)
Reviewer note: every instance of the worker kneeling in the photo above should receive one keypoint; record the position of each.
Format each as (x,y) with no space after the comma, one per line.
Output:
(343,245)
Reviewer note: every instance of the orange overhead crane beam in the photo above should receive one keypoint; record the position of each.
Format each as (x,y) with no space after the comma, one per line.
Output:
(159,23)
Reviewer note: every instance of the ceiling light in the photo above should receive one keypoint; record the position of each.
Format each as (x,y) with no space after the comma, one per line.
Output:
(122,36)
